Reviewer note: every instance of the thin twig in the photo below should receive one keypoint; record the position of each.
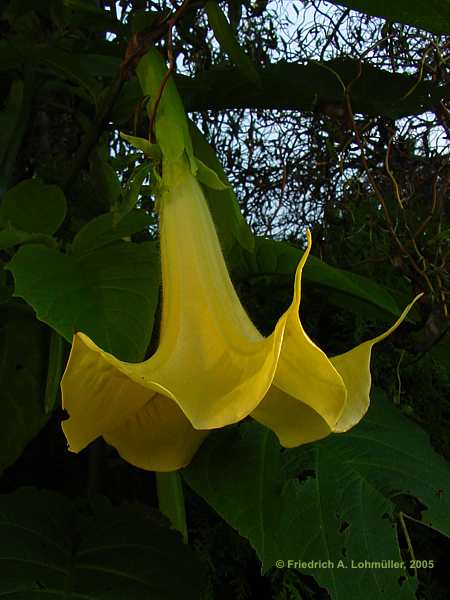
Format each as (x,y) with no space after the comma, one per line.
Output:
(377,190)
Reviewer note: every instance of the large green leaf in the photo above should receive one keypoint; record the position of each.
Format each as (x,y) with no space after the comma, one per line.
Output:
(23,349)
(52,548)
(273,258)
(110,294)
(33,207)
(103,230)
(433,15)
(342,509)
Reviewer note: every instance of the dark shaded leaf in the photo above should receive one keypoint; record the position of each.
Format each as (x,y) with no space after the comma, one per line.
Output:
(23,350)
(34,207)
(53,549)
(13,124)
(9,117)
(133,189)
(13,237)
(433,15)
(105,179)
(273,257)
(73,67)
(6,287)
(84,13)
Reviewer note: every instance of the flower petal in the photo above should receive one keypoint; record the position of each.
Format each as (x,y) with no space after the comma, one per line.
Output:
(304,376)
(96,393)
(354,368)
(293,421)
(158,437)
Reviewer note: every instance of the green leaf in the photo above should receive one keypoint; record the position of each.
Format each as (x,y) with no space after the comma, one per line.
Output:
(208,176)
(14,120)
(23,349)
(55,369)
(34,207)
(110,293)
(441,350)
(9,117)
(72,66)
(133,188)
(169,489)
(342,509)
(318,272)
(277,257)
(151,150)
(100,65)
(433,15)
(103,230)
(139,20)
(9,59)
(18,8)
(223,204)
(105,179)
(245,463)
(128,101)
(13,237)
(228,42)
(85,13)
(6,287)
(56,549)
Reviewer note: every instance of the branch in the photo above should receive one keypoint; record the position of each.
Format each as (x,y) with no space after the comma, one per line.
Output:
(312,86)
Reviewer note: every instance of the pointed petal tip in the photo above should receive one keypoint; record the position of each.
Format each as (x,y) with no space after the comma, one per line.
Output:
(298,272)
(309,238)
(354,367)
(397,323)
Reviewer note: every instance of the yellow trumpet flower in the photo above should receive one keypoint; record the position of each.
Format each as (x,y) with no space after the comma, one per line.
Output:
(212,367)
